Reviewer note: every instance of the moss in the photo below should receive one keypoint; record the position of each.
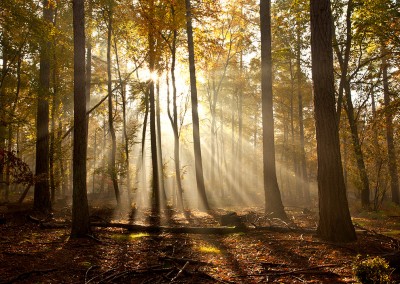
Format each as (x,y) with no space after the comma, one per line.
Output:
(372,270)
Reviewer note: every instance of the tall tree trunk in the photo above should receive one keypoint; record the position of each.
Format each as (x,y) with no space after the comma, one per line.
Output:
(334,222)
(125,138)
(103,158)
(80,208)
(159,150)
(303,166)
(3,105)
(365,202)
(344,86)
(240,126)
(297,188)
(61,166)
(195,115)
(54,106)
(174,117)
(394,178)
(153,134)
(111,164)
(273,201)
(42,201)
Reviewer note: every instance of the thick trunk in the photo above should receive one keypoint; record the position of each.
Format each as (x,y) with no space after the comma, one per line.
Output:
(112,170)
(394,178)
(80,208)
(273,201)
(203,202)
(42,201)
(335,222)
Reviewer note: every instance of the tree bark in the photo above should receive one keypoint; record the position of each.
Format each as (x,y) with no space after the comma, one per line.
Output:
(273,201)
(42,201)
(335,222)
(303,167)
(80,208)
(159,150)
(111,164)
(174,117)
(203,202)
(394,178)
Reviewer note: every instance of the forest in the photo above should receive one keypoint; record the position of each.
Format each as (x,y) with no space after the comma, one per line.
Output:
(199,141)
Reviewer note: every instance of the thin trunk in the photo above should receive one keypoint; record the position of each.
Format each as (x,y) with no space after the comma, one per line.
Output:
(273,201)
(203,202)
(394,178)
(297,189)
(94,160)
(42,201)
(111,164)
(63,179)
(335,227)
(345,87)
(365,202)
(153,140)
(174,119)
(103,159)
(159,150)
(54,106)
(240,126)
(80,208)
(2,106)
(303,167)
(125,138)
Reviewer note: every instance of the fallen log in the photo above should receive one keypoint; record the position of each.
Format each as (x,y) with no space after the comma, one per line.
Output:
(223,230)
(176,230)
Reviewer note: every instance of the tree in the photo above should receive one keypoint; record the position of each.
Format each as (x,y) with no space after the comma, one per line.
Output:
(344,86)
(394,178)
(195,115)
(111,163)
(335,222)
(80,208)
(273,201)
(42,201)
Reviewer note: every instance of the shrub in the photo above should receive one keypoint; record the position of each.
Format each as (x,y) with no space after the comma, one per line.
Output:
(372,270)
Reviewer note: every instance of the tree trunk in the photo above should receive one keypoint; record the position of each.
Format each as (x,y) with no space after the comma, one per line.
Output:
(159,150)
(345,86)
(273,201)
(54,106)
(392,159)
(2,105)
(365,202)
(335,222)
(203,202)
(303,167)
(240,126)
(80,208)
(42,201)
(174,118)
(125,138)
(297,189)
(111,164)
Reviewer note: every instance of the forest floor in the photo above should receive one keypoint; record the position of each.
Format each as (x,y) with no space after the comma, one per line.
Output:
(31,252)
